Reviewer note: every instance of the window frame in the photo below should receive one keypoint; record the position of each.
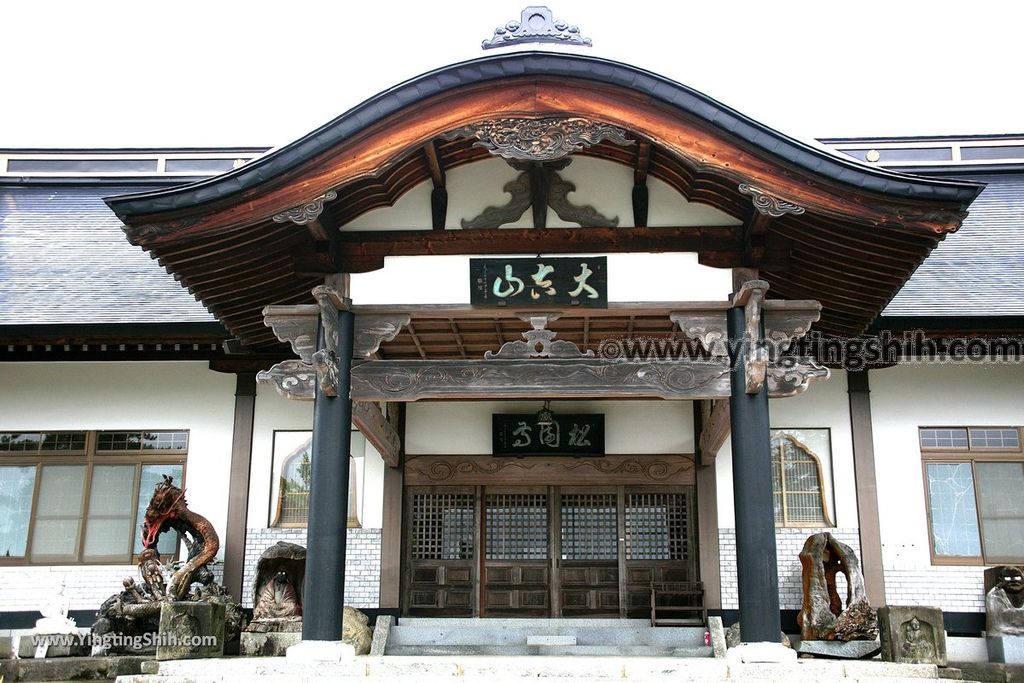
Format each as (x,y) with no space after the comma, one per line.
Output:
(277,467)
(969,456)
(89,457)
(787,432)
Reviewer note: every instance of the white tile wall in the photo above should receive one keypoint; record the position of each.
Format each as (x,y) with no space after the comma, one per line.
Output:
(789,543)
(362,570)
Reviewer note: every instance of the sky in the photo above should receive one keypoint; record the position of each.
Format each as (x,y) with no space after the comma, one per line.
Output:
(218,73)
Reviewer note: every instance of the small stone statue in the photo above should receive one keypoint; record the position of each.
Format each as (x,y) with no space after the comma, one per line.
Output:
(277,589)
(918,642)
(822,616)
(1004,603)
(277,599)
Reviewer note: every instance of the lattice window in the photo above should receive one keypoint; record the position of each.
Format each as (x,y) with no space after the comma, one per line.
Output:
(589,526)
(516,526)
(796,483)
(656,526)
(442,526)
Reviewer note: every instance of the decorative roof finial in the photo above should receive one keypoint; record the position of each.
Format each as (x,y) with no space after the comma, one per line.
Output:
(536,26)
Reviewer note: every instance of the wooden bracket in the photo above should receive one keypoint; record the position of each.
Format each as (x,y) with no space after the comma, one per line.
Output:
(751,297)
(370,421)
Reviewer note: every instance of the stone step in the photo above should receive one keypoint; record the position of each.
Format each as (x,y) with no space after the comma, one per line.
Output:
(519,631)
(542,650)
(487,669)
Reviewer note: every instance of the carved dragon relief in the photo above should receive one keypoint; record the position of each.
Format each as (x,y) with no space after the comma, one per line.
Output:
(543,139)
(539,186)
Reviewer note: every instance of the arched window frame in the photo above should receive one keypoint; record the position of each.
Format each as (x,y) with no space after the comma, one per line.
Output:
(778,436)
(286,463)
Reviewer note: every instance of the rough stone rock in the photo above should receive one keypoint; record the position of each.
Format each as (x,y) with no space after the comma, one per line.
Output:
(734,638)
(356,630)
(72,668)
(270,643)
(185,625)
(912,635)
(822,616)
(839,649)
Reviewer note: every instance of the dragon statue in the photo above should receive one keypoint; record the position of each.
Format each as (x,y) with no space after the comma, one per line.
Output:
(135,611)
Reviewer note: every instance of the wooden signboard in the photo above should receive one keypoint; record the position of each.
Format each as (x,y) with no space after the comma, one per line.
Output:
(576,281)
(520,435)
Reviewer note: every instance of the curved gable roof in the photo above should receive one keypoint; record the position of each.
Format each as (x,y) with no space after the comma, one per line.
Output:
(810,159)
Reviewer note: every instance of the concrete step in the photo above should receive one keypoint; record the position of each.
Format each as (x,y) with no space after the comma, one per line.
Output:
(550,668)
(544,650)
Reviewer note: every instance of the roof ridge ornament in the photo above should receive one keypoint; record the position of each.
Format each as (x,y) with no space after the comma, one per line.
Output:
(768,204)
(543,139)
(536,25)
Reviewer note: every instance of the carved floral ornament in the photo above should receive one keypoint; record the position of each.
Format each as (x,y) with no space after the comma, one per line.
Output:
(536,25)
(544,139)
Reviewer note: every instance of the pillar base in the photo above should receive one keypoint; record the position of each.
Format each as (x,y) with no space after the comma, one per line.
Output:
(321,651)
(761,653)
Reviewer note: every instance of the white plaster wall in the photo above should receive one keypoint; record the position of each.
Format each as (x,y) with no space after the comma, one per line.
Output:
(631,427)
(274,412)
(605,185)
(904,398)
(119,395)
(823,405)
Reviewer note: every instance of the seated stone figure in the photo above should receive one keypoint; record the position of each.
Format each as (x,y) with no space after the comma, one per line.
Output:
(277,599)
(277,589)
(1004,604)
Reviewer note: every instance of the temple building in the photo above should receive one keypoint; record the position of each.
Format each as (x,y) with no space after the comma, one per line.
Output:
(536,334)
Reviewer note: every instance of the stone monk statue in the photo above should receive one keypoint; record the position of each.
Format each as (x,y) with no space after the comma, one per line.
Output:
(277,599)
(1004,604)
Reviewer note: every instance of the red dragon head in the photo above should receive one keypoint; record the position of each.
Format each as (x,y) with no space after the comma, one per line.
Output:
(167,501)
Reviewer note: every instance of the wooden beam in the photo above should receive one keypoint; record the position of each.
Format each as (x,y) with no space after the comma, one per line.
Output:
(754,230)
(365,244)
(439,195)
(371,423)
(714,429)
(641,201)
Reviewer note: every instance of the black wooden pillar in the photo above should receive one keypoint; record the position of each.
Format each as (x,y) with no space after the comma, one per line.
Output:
(328,497)
(756,568)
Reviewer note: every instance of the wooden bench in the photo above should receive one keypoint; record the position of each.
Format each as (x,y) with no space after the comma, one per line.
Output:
(678,604)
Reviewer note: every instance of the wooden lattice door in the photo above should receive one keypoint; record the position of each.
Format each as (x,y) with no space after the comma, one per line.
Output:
(516,567)
(441,549)
(588,552)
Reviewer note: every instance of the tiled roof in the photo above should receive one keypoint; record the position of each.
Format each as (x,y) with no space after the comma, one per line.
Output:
(978,270)
(64,259)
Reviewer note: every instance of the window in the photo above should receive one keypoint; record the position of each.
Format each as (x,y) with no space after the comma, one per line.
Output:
(292,472)
(801,477)
(973,479)
(79,497)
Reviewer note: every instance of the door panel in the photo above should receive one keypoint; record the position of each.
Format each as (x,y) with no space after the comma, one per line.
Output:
(588,556)
(516,576)
(659,544)
(440,551)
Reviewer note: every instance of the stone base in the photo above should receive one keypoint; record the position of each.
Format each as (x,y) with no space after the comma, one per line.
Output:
(381,631)
(717,631)
(190,630)
(280,625)
(1005,649)
(321,651)
(74,668)
(269,644)
(761,653)
(840,649)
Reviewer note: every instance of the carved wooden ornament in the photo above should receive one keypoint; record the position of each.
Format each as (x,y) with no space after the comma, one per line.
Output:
(544,139)
(308,212)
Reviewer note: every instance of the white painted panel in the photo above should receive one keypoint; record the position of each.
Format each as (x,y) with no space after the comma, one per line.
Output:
(140,395)
(631,427)
(631,278)
(823,405)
